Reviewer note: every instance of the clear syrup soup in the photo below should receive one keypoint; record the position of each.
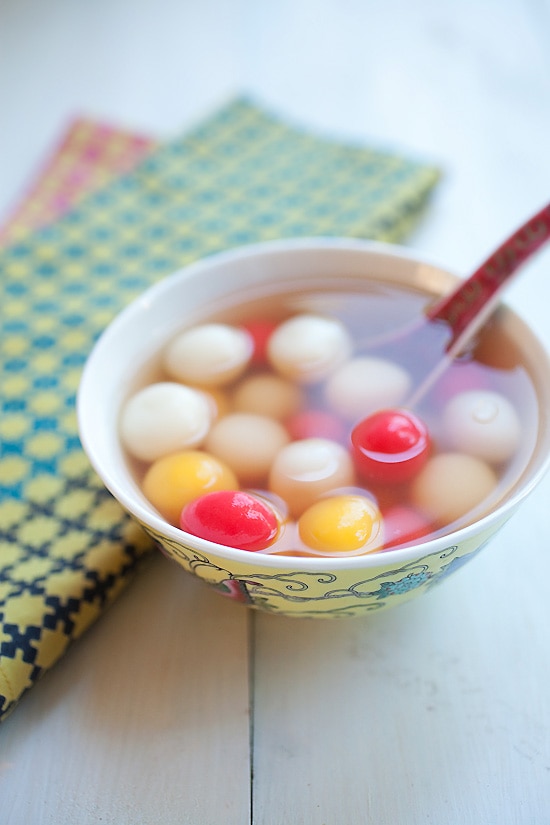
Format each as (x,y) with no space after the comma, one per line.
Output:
(480,418)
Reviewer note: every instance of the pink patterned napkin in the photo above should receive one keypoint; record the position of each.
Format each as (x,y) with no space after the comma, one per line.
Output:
(89,155)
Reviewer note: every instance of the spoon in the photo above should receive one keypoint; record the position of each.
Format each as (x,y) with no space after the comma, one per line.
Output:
(460,314)
(391,445)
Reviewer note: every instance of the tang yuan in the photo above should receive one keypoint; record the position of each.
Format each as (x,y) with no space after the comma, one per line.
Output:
(231,517)
(343,524)
(364,385)
(451,484)
(162,418)
(307,348)
(268,394)
(483,423)
(248,443)
(280,425)
(209,354)
(174,480)
(317,423)
(304,470)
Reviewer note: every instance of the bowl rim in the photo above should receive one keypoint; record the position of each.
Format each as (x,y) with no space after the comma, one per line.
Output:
(156,524)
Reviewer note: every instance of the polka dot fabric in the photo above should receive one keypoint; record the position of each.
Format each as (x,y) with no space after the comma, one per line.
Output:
(66,548)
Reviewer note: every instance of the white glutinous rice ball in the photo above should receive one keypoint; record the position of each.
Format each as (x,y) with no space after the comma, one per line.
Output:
(452,484)
(163,418)
(209,355)
(307,348)
(268,394)
(248,443)
(305,469)
(366,384)
(483,423)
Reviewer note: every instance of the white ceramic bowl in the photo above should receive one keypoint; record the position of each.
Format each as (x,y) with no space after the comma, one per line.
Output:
(323,587)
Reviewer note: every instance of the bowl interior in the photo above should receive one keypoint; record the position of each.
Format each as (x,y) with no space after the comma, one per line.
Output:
(122,359)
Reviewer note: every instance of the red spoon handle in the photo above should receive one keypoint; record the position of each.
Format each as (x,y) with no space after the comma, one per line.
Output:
(480,290)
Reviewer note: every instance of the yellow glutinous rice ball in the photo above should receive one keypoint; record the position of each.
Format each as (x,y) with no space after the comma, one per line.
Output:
(175,480)
(342,525)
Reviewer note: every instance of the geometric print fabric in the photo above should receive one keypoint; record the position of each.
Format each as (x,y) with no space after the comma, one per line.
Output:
(89,155)
(66,548)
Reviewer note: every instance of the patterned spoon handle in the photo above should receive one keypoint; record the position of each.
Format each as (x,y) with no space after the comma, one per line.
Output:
(466,309)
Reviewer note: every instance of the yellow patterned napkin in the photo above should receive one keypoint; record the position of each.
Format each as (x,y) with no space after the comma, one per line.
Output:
(66,548)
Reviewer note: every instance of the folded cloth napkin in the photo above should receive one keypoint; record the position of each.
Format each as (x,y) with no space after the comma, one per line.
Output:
(242,175)
(89,155)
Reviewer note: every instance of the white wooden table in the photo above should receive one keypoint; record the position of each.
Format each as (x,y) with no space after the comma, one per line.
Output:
(179,706)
